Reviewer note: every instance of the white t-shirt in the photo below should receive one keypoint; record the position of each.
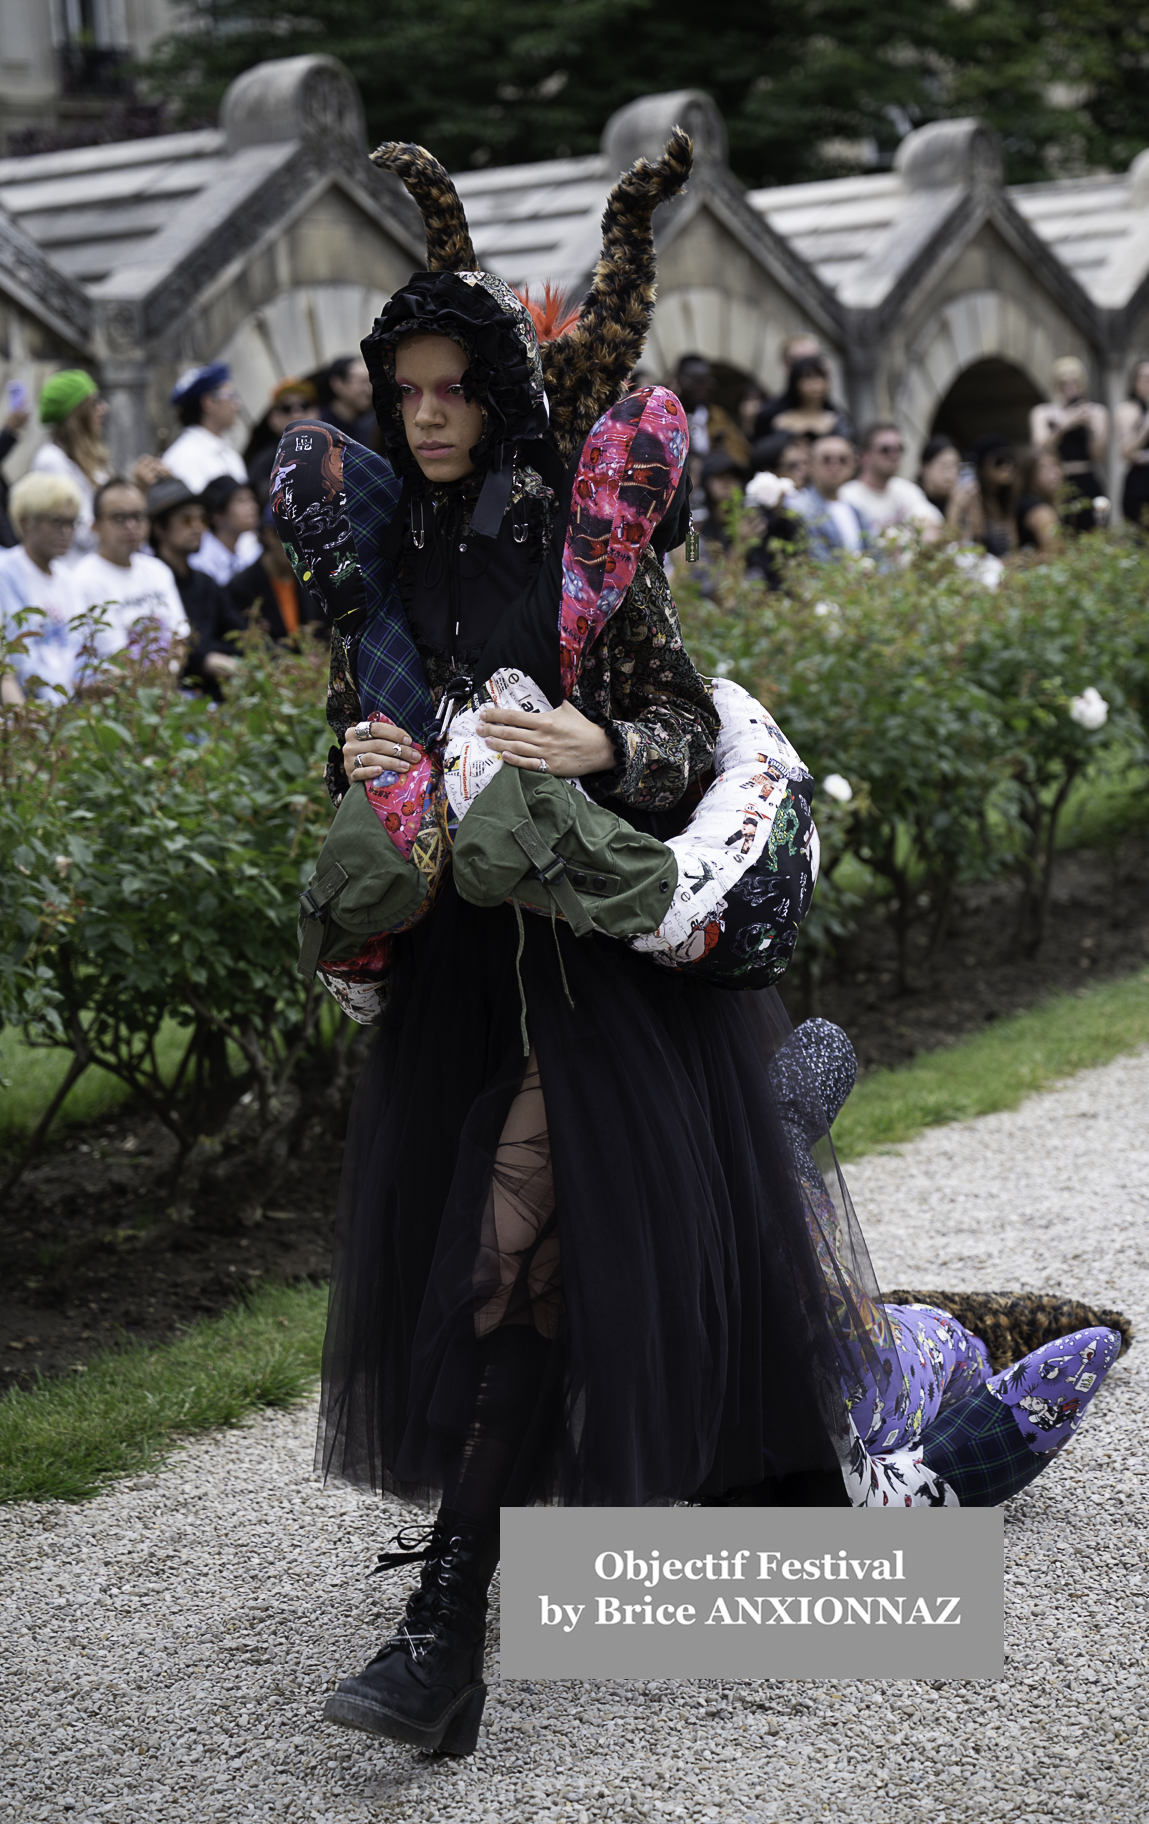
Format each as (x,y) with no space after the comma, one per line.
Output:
(50,459)
(143,589)
(52,645)
(197,456)
(900,503)
(215,560)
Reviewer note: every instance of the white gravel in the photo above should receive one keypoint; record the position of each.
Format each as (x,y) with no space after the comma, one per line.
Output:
(165,1648)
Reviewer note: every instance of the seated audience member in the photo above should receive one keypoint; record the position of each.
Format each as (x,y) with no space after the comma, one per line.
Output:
(231,541)
(268,589)
(33,574)
(9,436)
(750,402)
(291,400)
(984,511)
(121,579)
(348,405)
(832,527)
(794,348)
(1041,493)
(71,406)
(884,498)
(177,529)
(806,408)
(939,472)
(208,406)
(782,455)
(711,428)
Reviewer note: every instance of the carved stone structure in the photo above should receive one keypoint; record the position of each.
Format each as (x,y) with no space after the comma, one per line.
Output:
(941,296)
(271,241)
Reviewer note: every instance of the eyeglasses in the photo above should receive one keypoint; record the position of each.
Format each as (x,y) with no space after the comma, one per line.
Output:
(125,519)
(887,449)
(57,523)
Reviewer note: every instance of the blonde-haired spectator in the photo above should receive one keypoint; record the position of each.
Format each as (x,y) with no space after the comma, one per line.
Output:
(71,405)
(44,509)
(1076,431)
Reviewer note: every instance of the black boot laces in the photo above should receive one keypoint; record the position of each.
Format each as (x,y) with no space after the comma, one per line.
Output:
(447,1585)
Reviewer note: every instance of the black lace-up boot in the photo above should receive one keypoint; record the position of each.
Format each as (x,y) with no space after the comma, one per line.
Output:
(426,1686)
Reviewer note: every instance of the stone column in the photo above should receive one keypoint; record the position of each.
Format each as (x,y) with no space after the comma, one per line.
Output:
(124,379)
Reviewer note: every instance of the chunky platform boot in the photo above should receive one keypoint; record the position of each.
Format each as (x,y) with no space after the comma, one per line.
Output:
(426,1686)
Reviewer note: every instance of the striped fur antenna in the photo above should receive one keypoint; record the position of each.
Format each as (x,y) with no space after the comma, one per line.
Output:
(449,245)
(587,369)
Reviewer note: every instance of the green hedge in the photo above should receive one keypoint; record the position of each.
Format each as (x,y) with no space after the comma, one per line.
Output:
(948,707)
(152,848)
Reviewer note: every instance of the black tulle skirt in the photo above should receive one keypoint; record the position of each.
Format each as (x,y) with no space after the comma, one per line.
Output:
(714,1291)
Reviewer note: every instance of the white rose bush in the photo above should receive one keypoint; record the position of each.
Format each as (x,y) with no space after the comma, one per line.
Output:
(947,722)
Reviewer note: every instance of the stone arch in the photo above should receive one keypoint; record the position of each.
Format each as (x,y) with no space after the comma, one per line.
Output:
(726,329)
(298,330)
(991,395)
(973,327)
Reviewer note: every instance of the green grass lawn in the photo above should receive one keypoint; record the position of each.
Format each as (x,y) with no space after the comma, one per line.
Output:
(996,1068)
(30,1077)
(65,1439)
(68,1438)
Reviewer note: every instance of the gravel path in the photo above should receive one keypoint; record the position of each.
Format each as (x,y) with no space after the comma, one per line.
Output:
(165,1648)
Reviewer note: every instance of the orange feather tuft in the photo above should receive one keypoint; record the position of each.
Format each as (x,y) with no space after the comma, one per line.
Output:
(553,317)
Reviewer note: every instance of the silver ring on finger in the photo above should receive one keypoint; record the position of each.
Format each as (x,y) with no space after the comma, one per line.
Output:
(542,764)
(363,731)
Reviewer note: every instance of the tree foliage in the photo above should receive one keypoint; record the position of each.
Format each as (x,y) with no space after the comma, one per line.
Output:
(806,90)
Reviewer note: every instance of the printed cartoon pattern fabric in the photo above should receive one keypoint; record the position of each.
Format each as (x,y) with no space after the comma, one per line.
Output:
(747,859)
(627,475)
(1048,1392)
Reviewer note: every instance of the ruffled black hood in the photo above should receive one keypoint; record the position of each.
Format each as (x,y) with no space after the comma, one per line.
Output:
(504,374)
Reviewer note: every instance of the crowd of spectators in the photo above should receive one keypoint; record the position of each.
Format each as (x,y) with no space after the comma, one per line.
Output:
(183,545)
(820,487)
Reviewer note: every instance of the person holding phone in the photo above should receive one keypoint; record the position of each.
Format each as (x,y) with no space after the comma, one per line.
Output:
(17,418)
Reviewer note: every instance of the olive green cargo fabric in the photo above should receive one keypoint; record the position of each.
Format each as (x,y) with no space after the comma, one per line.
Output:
(361,887)
(535,839)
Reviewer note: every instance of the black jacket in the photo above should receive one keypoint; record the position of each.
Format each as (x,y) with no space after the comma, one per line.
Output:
(252,589)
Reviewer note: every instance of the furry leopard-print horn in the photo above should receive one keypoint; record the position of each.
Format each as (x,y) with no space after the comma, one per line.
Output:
(1011,1324)
(449,245)
(587,369)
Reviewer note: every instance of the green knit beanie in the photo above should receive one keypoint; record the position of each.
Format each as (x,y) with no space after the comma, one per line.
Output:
(63,393)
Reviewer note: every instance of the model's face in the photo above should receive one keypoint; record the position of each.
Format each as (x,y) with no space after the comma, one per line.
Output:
(940,477)
(122,523)
(48,535)
(442,426)
(352,390)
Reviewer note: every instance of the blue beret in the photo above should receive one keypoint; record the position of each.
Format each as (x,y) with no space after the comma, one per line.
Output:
(196,381)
